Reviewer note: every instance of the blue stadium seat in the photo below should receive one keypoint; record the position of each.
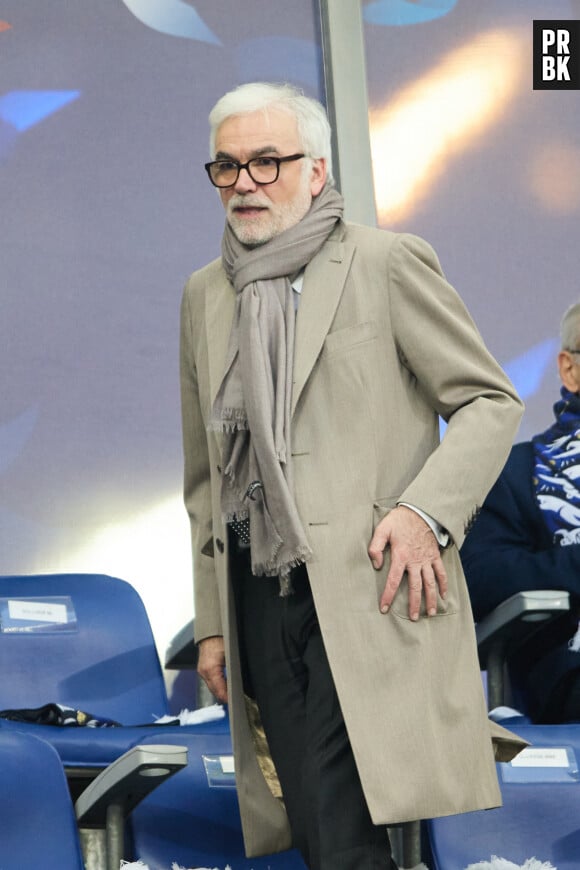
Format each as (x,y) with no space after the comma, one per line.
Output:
(540,816)
(193,819)
(84,641)
(36,813)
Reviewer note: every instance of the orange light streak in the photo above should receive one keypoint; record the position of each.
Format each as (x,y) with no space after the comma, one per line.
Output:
(441,114)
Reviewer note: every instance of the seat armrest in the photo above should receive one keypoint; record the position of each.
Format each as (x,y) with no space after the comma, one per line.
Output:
(127,781)
(514,621)
(518,617)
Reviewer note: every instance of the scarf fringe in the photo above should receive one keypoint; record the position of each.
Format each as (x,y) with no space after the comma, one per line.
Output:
(286,587)
(271,568)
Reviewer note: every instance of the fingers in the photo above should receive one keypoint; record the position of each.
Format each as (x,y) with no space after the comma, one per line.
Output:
(217,685)
(376,548)
(429,586)
(394,578)
(427,581)
(211,667)
(415,592)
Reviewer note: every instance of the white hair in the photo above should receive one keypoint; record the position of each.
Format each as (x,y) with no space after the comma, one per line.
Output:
(313,127)
(570,328)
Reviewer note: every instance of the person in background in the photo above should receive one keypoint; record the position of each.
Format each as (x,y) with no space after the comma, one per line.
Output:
(527,536)
(331,611)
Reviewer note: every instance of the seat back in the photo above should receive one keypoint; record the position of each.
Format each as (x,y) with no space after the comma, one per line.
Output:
(82,640)
(36,813)
(540,812)
(193,819)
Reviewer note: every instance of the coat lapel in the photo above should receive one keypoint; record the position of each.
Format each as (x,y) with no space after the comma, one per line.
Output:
(220,304)
(324,281)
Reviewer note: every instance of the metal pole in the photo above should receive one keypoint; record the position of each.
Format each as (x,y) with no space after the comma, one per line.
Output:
(347,104)
(115,836)
(495,674)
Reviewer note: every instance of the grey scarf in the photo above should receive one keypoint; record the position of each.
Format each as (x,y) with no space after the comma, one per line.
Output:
(252,406)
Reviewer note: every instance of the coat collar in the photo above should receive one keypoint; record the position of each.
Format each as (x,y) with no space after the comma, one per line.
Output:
(324,280)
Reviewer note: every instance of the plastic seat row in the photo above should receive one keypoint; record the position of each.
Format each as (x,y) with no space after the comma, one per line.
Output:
(84,641)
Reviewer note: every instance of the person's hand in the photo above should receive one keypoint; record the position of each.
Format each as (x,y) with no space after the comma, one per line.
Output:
(211,665)
(414,549)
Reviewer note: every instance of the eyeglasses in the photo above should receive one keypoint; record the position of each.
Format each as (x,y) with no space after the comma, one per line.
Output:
(262,170)
(569,350)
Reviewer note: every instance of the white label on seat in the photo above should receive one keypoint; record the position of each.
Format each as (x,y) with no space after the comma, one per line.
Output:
(541,756)
(227,762)
(39,611)
(219,770)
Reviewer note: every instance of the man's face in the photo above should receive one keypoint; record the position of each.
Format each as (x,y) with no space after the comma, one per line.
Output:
(258,212)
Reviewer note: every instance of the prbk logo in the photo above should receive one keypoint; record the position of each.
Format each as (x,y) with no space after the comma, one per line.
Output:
(557,55)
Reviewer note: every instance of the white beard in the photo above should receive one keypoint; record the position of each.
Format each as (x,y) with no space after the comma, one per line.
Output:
(276,217)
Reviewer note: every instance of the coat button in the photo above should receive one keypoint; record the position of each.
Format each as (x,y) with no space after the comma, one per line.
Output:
(219,544)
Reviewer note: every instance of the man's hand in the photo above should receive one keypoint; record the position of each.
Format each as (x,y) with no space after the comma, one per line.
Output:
(414,549)
(211,665)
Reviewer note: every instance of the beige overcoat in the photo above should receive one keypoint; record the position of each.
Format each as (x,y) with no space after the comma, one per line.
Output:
(383,346)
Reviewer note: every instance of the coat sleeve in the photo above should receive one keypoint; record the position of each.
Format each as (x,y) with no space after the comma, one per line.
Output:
(441,346)
(197,481)
(509,550)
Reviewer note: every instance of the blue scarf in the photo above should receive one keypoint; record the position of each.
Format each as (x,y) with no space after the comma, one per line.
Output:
(556,477)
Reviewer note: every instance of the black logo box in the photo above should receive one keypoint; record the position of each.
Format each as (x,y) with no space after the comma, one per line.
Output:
(560,41)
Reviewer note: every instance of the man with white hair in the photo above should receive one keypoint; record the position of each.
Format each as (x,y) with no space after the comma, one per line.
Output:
(330,608)
(528,537)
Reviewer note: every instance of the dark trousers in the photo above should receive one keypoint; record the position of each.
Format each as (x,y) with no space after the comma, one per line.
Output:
(286,671)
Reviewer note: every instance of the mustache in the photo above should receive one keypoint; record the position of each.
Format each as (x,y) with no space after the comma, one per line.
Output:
(246,201)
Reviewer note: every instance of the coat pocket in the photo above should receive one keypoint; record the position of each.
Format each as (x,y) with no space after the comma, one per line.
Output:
(342,340)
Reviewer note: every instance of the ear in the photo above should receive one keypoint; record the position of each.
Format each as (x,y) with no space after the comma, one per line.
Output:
(569,371)
(317,175)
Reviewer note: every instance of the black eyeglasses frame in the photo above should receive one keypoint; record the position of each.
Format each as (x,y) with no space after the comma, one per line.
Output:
(277,160)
